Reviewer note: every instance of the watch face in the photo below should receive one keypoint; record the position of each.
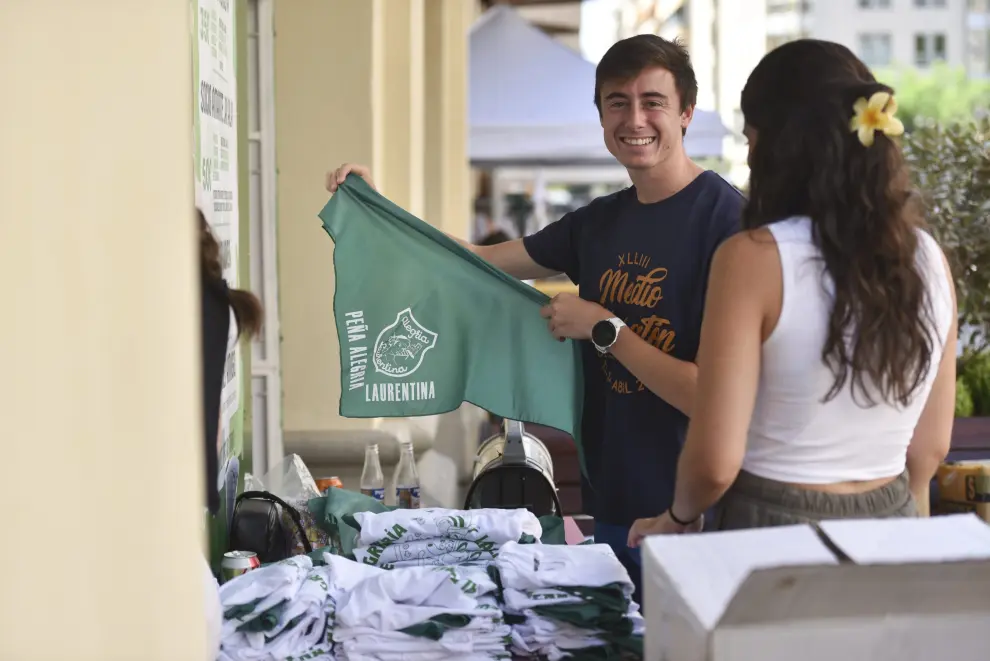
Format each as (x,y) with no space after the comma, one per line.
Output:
(603,334)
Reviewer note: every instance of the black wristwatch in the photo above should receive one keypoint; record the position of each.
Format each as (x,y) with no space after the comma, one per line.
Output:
(605,333)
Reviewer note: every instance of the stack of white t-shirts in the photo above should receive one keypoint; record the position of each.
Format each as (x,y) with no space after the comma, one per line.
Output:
(422,613)
(277,612)
(440,537)
(562,601)
(214,612)
(345,574)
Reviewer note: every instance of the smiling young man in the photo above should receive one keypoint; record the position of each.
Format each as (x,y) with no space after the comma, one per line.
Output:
(640,258)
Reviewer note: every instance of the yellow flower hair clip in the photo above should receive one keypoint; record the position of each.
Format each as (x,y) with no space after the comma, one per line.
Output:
(874,115)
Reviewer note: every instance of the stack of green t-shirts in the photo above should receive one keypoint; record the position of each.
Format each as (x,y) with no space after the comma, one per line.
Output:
(423,613)
(439,537)
(279,611)
(336,514)
(569,602)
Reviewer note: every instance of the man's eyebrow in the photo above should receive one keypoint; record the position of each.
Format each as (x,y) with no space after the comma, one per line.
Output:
(646,95)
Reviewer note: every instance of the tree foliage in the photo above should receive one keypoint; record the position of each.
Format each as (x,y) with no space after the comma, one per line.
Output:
(951,167)
(942,93)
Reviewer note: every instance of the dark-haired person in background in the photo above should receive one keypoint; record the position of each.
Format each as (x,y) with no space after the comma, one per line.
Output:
(826,383)
(640,258)
(494,238)
(218,303)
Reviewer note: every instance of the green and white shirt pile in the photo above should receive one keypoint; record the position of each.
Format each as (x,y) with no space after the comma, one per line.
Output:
(276,613)
(569,602)
(440,537)
(424,613)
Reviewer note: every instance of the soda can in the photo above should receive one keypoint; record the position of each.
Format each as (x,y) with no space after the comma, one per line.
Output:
(325,483)
(235,563)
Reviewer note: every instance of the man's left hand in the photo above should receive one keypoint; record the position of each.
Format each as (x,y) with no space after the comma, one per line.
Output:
(570,316)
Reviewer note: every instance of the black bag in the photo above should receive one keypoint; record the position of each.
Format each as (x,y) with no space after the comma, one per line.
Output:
(258,526)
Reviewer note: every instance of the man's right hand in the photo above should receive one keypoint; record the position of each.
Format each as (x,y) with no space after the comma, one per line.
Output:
(336,177)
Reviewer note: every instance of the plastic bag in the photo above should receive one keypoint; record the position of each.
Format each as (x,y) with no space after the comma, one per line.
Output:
(291,481)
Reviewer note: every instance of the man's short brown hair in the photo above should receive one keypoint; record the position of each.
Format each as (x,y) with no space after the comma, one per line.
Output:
(627,58)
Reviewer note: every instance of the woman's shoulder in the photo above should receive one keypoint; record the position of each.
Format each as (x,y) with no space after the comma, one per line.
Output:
(748,254)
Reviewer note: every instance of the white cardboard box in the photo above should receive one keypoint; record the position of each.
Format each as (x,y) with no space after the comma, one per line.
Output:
(870,590)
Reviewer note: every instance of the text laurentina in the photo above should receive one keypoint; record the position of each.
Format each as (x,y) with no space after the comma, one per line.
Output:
(398,352)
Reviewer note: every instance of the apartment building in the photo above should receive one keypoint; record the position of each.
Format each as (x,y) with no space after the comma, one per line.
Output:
(727,38)
(888,33)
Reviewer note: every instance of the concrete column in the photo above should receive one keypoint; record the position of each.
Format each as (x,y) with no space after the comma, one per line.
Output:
(401,175)
(328,87)
(100,343)
(701,24)
(448,177)
(449,202)
(740,45)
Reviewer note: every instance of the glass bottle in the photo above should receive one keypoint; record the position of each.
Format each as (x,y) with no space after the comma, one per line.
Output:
(372,478)
(406,478)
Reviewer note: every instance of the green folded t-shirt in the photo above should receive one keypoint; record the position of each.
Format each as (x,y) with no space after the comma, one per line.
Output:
(334,513)
(424,324)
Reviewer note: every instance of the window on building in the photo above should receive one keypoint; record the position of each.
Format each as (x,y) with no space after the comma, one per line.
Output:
(785,6)
(929,3)
(875,49)
(874,4)
(928,49)
(939,49)
(978,53)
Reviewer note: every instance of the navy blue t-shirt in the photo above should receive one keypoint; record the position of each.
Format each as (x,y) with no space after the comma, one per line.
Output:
(648,264)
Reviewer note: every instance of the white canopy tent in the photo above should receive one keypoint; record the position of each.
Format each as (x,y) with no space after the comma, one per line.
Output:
(531,100)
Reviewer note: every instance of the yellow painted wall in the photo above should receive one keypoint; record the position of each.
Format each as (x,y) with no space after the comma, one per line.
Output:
(324,114)
(449,191)
(102,552)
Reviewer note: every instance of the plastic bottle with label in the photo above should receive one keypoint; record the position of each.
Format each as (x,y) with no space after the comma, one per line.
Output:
(406,478)
(372,478)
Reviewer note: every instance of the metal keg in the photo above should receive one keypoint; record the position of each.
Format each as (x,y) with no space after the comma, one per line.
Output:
(513,469)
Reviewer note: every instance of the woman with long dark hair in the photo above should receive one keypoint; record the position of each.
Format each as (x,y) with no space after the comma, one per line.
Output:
(826,371)
(218,304)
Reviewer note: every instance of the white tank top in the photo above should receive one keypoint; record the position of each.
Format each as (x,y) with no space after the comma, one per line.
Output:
(794,436)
